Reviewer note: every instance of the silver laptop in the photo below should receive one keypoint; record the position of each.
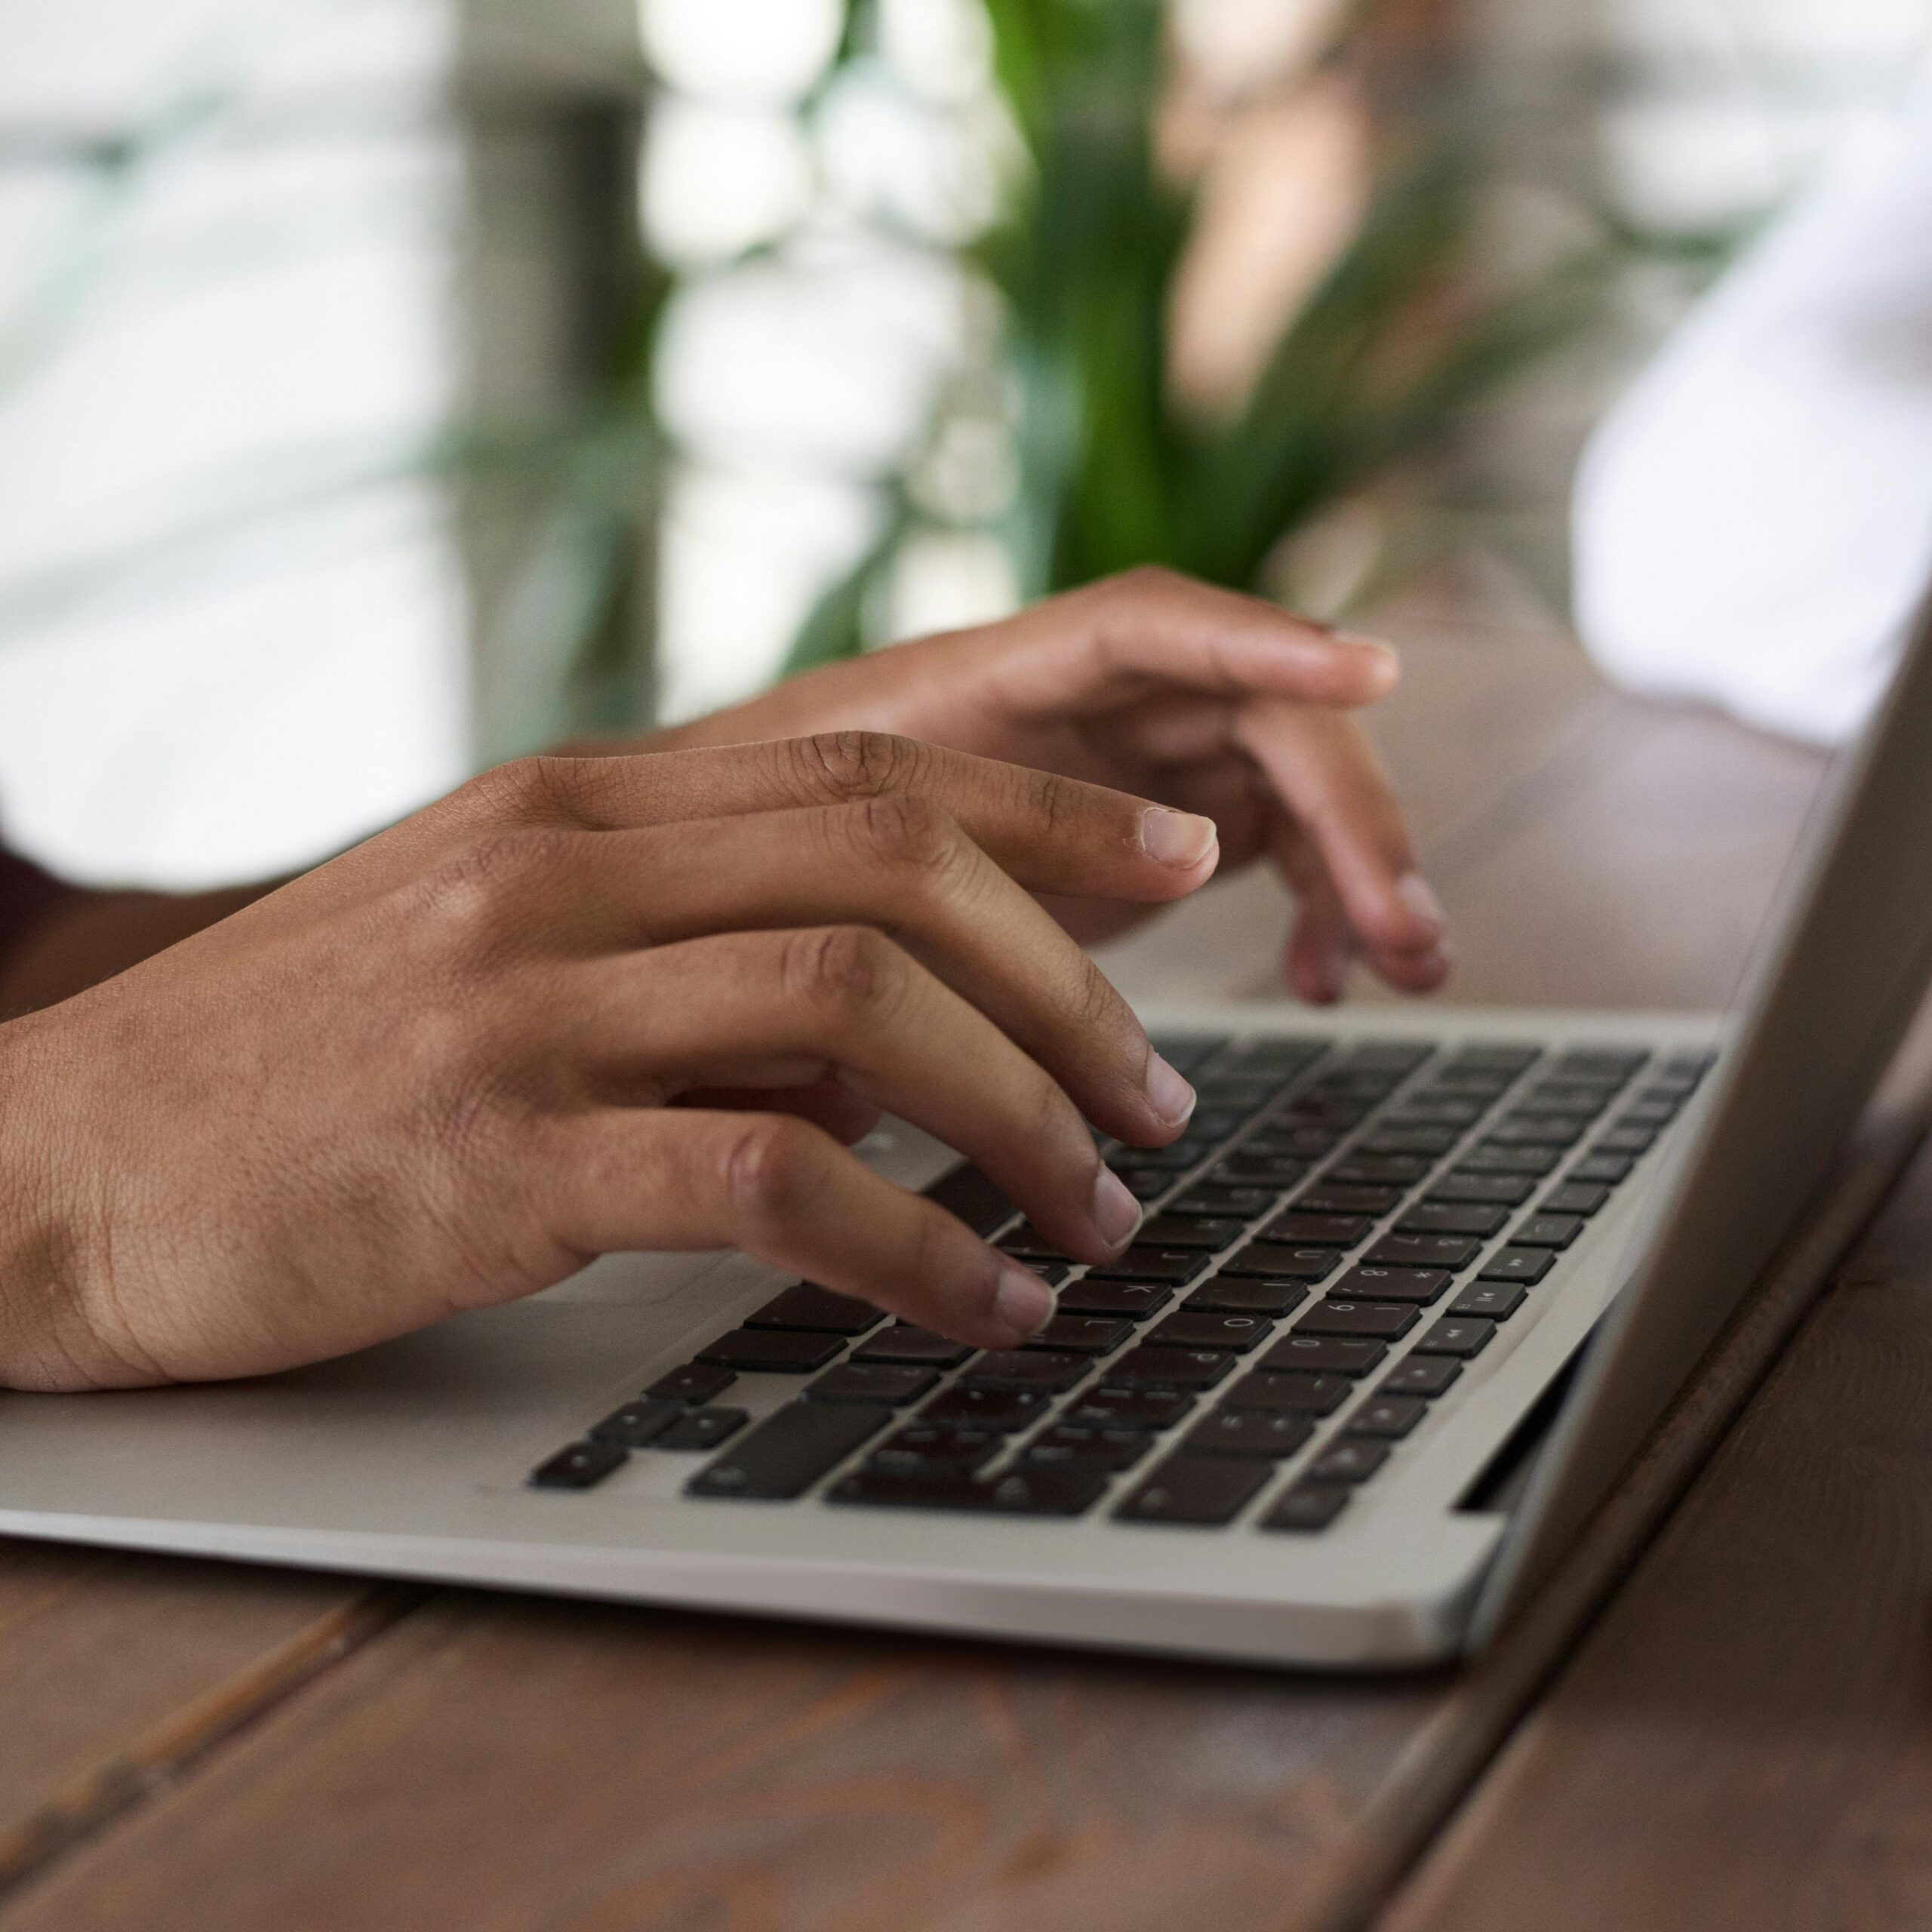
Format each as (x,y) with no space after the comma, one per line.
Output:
(1288,1425)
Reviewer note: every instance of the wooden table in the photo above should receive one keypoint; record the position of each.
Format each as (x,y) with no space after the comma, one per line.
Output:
(1740,1736)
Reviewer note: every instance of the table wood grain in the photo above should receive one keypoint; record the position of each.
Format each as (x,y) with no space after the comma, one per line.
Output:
(211,1747)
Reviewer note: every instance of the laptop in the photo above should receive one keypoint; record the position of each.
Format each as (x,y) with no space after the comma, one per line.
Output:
(1305,1419)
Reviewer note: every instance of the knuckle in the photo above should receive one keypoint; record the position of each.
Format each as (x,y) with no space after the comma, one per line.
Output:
(484,887)
(768,1166)
(1145,581)
(908,832)
(846,971)
(525,791)
(858,764)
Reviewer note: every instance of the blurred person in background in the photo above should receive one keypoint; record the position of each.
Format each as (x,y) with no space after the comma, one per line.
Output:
(1753,522)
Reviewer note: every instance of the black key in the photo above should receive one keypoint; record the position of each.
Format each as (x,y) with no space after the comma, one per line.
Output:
(1380,1170)
(1136,1300)
(1323,1355)
(1241,1169)
(1302,1143)
(1456,1335)
(1051,1272)
(696,1383)
(1307,1507)
(1443,1217)
(1390,1056)
(1526,1265)
(1187,1231)
(1418,1287)
(1556,1130)
(1444,1109)
(1175,1158)
(1620,1138)
(1294,1230)
(1354,1459)
(1548,1231)
(580,1466)
(1332,1198)
(1083,1334)
(1267,1259)
(1144,1183)
(1175,1266)
(1131,1408)
(1004,1410)
(1170,1368)
(1208,1199)
(1615,1063)
(1693,1066)
(1027,1241)
(890,1383)
(1186,1051)
(1026,1368)
(772,1351)
(1288,1052)
(636,1422)
(1426,1376)
(1199,1328)
(970,1196)
(1568,1097)
(701,1429)
(1467,1080)
(1573,1198)
(1111,1449)
(1289,1394)
(1385,1321)
(788,1452)
(1611,1168)
(924,1347)
(1204,1490)
(808,1306)
(924,1446)
(1238,1294)
(1500,1190)
(1644,1111)
(1449,1251)
(1390,1417)
(1237,1087)
(1031,1491)
(1489,1158)
(1249,1432)
(1394,1139)
(1497,1056)
(1494,1301)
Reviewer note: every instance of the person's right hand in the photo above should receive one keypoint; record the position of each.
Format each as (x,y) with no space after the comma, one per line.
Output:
(440,1073)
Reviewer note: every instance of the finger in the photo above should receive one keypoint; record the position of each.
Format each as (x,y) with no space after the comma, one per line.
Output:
(1320,947)
(781,1189)
(826,1104)
(1325,771)
(1110,642)
(1053,834)
(785,1009)
(897,864)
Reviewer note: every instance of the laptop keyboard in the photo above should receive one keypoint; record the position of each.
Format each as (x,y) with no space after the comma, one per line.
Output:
(1339,1229)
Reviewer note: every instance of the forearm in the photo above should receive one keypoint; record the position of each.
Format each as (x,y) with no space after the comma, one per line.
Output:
(62,940)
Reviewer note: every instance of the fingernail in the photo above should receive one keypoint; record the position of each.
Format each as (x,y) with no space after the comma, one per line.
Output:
(1170,1096)
(1413,891)
(1391,659)
(1335,967)
(1177,839)
(1116,1213)
(1022,1301)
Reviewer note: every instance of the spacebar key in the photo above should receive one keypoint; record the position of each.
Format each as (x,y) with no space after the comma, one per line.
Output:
(1066,1491)
(788,1453)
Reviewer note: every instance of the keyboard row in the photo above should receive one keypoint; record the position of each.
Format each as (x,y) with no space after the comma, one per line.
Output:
(1048,1430)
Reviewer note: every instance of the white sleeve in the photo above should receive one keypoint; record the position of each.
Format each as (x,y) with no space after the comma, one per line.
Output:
(1752,523)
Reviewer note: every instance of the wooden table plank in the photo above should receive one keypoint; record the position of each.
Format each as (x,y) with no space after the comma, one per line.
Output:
(1746,1740)
(504,1763)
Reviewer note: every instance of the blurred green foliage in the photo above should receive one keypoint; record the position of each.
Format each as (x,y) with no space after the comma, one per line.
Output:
(1390,353)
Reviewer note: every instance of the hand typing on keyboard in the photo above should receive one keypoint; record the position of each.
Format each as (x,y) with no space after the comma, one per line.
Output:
(587,1004)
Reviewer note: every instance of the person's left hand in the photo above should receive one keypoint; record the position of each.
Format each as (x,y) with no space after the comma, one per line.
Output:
(1150,683)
